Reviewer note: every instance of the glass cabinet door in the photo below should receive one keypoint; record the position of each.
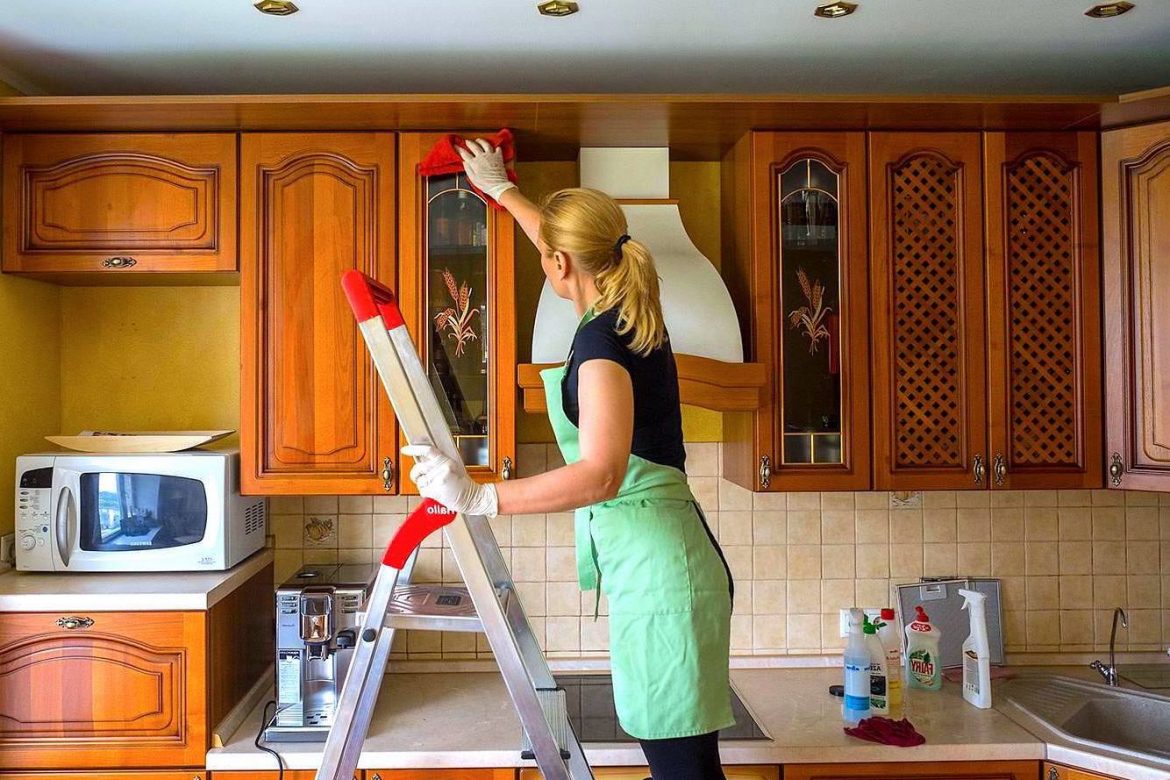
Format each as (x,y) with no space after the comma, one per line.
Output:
(809,278)
(457,277)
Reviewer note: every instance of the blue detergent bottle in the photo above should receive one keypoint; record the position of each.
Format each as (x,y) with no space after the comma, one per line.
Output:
(857,681)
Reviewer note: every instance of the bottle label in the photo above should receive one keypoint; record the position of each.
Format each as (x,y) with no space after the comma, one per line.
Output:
(971,672)
(856,689)
(922,666)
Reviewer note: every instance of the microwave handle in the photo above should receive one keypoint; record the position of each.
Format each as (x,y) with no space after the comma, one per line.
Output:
(65,524)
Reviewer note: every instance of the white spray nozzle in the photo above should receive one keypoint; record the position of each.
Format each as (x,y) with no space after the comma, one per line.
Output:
(972,597)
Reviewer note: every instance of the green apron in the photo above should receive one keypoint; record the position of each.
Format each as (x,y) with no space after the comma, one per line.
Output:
(668,591)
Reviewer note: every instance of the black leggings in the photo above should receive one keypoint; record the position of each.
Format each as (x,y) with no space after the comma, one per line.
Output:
(684,758)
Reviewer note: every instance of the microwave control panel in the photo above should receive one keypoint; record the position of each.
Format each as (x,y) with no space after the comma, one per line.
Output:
(33,500)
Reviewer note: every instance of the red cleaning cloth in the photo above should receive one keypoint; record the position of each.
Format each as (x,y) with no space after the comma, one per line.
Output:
(443,158)
(887,732)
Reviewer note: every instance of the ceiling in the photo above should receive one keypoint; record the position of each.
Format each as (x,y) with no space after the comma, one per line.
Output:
(907,47)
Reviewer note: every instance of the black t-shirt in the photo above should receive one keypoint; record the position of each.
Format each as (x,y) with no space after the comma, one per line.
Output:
(657,416)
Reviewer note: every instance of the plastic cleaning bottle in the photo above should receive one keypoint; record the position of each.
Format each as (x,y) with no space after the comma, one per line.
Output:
(922,667)
(879,701)
(856,660)
(892,644)
(976,652)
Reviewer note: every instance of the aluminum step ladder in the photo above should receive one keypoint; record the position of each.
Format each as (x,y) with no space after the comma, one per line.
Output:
(394,602)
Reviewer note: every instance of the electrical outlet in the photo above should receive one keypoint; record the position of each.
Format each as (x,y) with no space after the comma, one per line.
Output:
(873,613)
(8,550)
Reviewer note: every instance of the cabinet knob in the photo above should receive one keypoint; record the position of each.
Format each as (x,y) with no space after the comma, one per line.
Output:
(1116,469)
(506,471)
(119,262)
(387,474)
(73,622)
(765,471)
(999,468)
(1053,773)
(978,469)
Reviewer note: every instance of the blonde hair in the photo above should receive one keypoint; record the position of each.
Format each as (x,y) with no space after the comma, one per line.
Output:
(588,225)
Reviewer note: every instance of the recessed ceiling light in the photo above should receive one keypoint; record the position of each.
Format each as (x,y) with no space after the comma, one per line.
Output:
(835,10)
(1109,10)
(276,7)
(557,8)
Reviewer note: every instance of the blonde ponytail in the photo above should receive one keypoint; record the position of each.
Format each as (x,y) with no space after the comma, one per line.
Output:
(590,226)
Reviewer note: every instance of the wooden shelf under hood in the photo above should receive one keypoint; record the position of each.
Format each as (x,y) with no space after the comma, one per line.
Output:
(711,384)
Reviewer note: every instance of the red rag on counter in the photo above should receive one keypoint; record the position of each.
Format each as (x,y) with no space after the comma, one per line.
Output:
(887,732)
(443,158)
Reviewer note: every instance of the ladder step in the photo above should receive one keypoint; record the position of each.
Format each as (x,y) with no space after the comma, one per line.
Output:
(436,608)
(552,702)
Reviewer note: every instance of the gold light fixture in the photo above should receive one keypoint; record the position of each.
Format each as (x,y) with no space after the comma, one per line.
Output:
(835,10)
(557,8)
(276,7)
(1109,10)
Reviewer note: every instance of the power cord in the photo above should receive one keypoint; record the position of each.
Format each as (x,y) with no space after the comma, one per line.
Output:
(265,722)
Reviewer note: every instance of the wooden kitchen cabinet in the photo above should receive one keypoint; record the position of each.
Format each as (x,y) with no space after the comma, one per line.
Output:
(927,770)
(794,215)
(153,774)
(643,772)
(1043,310)
(314,418)
(1058,772)
(439,774)
(121,690)
(928,336)
(1136,212)
(457,283)
(122,203)
(289,774)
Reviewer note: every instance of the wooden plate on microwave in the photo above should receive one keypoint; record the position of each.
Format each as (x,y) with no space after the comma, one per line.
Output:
(137,441)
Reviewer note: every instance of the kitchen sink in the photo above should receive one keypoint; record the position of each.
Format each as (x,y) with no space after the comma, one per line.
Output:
(1092,715)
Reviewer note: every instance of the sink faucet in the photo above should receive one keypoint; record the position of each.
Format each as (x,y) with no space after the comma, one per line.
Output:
(1110,672)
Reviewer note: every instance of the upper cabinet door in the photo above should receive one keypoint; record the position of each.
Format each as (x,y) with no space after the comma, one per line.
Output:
(120,203)
(457,284)
(1043,310)
(809,307)
(930,428)
(314,417)
(1136,213)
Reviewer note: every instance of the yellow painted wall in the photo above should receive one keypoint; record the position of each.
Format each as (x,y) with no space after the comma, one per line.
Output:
(150,358)
(30,381)
(696,186)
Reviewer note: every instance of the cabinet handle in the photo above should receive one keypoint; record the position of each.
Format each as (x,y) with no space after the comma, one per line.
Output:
(999,466)
(119,262)
(73,622)
(1116,469)
(765,471)
(506,471)
(979,469)
(387,474)
(1053,773)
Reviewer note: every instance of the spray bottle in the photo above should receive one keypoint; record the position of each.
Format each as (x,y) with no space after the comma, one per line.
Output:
(857,683)
(976,652)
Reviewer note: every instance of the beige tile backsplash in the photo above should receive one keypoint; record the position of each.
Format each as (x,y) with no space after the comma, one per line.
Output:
(1066,559)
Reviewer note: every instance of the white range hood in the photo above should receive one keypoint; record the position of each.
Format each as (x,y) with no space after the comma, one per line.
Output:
(698,310)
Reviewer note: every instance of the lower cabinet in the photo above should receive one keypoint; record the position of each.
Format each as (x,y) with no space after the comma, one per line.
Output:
(124,690)
(923,770)
(439,774)
(642,773)
(148,775)
(1058,772)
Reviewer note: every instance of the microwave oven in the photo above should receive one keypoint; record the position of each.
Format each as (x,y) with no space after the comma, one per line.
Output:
(125,512)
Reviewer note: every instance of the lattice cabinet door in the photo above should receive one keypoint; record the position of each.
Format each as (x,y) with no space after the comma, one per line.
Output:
(927,323)
(1043,310)
(1135,194)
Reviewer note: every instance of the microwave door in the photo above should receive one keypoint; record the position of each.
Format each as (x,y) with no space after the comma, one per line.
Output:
(65,539)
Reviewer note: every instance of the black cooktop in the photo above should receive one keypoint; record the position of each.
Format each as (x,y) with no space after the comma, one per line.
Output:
(589,702)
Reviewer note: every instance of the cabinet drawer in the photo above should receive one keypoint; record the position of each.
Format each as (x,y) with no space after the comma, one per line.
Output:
(102,690)
(642,772)
(120,203)
(148,775)
(923,770)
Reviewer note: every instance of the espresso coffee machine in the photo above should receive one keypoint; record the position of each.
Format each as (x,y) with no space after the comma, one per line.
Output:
(319,612)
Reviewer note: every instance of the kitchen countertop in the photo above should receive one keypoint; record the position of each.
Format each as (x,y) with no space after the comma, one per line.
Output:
(22,591)
(464,719)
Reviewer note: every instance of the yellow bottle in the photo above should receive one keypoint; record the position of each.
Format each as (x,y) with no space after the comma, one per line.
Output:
(892,642)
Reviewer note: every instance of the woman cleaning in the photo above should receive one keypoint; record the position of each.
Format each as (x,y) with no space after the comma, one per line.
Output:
(640,535)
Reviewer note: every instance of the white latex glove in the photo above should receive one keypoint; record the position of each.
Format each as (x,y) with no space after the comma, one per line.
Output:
(484,165)
(445,480)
